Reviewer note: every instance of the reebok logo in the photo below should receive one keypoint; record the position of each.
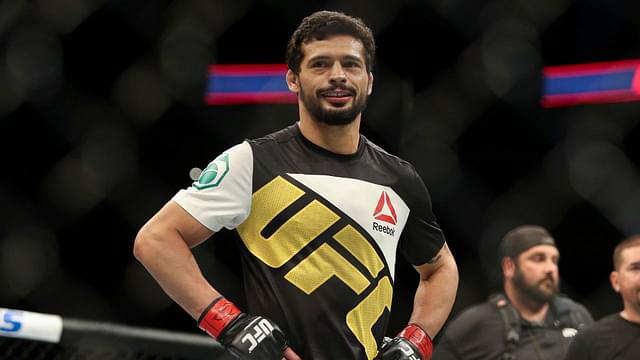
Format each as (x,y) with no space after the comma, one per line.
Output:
(385,212)
(383,229)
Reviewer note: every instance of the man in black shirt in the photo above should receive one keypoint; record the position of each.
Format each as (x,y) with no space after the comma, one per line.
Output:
(320,212)
(529,320)
(617,336)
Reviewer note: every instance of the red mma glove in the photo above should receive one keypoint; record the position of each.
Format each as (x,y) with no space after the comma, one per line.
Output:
(245,336)
(412,343)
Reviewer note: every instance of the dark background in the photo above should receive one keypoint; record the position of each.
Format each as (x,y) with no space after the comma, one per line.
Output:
(102,119)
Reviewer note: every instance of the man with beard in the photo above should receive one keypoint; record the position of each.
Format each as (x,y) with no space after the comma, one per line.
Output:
(529,320)
(320,212)
(616,336)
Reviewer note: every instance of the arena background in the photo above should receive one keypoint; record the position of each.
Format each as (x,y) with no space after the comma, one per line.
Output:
(102,118)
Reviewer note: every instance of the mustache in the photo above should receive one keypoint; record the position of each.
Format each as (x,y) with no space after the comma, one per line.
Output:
(343,87)
(547,278)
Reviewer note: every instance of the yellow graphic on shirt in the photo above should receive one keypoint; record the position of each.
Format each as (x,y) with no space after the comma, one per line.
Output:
(294,234)
(320,266)
(358,246)
(325,262)
(362,318)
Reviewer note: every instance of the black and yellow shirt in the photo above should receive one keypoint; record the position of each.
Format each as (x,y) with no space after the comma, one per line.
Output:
(319,235)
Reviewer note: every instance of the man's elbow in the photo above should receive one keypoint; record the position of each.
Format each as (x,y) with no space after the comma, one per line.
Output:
(447,263)
(446,269)
(143,245)
(452,268)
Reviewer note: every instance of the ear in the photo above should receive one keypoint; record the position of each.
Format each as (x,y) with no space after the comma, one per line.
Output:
(370,89)
(293,81)
(508,267)
(615,281)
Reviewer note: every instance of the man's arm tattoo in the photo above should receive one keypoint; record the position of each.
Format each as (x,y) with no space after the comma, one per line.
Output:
(434,259)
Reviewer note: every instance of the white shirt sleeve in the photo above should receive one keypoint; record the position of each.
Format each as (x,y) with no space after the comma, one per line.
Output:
(221,197)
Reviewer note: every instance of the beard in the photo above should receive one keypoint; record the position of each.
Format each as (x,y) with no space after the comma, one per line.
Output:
(537,292)
(335,116)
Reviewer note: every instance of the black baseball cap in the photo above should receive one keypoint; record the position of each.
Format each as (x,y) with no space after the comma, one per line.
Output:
(523,238)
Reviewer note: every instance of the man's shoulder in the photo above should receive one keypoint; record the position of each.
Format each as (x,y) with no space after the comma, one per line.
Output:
(470,316)
(279,136)
(565,302)
(401,168)
(607,324)
(564,306)
(601,334)
(473,325)
(378,151)
(598,340)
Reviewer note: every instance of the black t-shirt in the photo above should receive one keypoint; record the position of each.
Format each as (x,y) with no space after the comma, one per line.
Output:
(478,333)
(319,235)
(611,338)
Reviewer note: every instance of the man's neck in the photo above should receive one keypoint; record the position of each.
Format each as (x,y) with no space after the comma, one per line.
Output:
(630,315)
(530,310)
(339,139)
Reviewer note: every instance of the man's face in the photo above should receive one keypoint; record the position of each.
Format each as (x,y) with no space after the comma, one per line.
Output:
(626,279)
(333,83)
(536,273)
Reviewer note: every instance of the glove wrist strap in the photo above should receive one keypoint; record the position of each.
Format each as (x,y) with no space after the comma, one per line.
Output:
(217,316)
(419,338)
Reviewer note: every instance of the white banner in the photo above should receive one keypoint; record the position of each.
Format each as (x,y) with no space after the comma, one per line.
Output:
(30,325)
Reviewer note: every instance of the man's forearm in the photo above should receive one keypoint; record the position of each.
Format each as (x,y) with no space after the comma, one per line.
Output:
(171,263)
(435,296)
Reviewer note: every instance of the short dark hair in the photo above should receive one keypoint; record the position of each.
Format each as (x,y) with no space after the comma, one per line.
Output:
(624,244)
(323,24)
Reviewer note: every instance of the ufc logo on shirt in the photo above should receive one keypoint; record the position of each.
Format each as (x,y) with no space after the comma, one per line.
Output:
(315,220)
(260,331)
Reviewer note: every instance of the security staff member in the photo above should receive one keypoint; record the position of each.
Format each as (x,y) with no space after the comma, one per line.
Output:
(616,336)
(529,320)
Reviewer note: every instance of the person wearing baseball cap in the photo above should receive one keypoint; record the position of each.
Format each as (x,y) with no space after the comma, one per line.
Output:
(529,319)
